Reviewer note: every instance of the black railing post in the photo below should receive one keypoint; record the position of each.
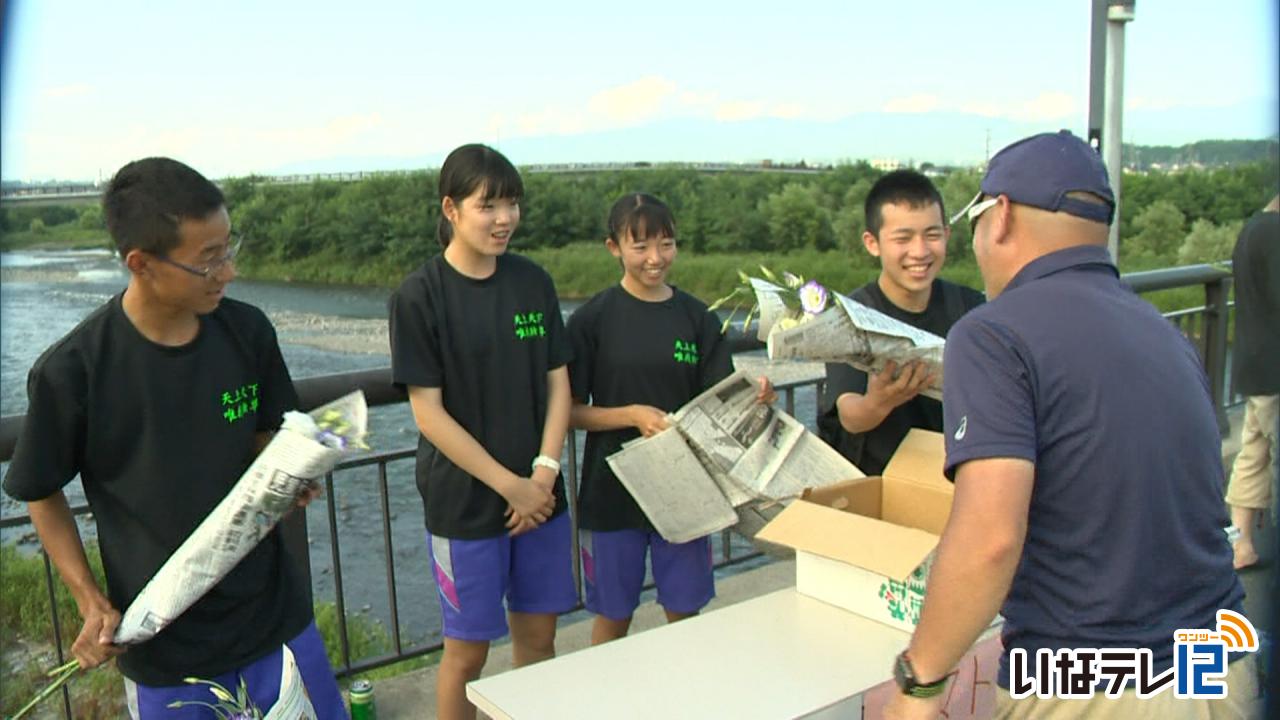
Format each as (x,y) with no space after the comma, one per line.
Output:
(571,485)
(1214,350)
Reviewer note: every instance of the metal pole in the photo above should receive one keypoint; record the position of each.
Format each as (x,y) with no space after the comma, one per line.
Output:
(1097,72)
(1216,317)
(1118,13)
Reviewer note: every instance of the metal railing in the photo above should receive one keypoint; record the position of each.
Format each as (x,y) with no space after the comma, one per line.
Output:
(1206,326)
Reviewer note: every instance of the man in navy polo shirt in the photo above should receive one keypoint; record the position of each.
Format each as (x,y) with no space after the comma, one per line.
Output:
(1084,448)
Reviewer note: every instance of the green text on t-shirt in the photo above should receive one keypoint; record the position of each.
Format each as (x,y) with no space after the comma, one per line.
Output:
(686,352)
(238,402)
(529,325)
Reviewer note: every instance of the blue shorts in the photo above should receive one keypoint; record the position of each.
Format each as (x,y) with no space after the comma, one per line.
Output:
(613,565)
(533,571)
(261,677)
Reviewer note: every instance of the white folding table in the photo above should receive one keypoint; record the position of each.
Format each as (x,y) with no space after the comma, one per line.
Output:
(781,655)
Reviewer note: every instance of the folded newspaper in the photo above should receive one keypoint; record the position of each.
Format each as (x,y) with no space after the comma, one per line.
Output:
(307,446)
(293,702)
(847,331)
(725,460)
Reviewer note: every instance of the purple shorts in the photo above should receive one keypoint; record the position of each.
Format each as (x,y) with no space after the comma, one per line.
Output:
(533,571)
(261,677)
(613,566)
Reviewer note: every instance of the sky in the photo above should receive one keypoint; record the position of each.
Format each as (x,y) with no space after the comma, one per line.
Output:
(281,86)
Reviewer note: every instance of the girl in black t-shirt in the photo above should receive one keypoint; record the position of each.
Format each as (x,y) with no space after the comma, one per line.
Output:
(478,341)
(641,349)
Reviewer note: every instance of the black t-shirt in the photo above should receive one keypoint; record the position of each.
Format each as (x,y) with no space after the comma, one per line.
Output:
(488,344)
(870,451)
(159,435)
(1256,264)
(628,351)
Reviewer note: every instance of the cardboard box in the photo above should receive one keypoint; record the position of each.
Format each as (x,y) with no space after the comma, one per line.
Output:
(866,545)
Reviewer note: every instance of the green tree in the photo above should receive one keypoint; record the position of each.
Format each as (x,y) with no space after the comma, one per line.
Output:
(91,217)
(1208,243)
(849,221)
(238,190)
(957,189)
(36,226)
(1159,234)
(798,217)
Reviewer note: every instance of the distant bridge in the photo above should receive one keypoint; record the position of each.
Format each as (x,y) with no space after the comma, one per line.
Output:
(60,194)
(78,193)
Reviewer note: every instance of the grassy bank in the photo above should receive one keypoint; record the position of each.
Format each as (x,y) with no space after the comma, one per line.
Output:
(55,237)
(580,270)
(583,269)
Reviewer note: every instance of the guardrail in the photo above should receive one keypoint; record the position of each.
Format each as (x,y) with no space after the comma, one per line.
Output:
(1205,325)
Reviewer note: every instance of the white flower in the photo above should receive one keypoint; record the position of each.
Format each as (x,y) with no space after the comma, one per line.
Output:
(813,298)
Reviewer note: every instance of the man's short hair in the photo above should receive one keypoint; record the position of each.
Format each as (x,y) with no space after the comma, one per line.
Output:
(147,199)
(900,187)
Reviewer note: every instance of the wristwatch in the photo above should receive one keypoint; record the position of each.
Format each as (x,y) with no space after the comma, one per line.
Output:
(549,463)
(905,676)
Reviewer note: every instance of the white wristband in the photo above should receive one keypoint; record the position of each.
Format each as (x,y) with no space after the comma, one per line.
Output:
(547,462)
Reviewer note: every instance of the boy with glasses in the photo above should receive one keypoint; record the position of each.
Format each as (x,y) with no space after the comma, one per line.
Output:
(159,401)
(866,417)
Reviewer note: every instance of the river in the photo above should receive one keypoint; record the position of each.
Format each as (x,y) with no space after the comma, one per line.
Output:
(323,329)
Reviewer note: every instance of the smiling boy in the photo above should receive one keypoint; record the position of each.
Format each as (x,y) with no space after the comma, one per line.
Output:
(866,417)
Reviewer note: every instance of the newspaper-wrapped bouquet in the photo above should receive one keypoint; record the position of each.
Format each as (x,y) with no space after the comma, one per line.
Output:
(797,301)
(805,321)
(307,446)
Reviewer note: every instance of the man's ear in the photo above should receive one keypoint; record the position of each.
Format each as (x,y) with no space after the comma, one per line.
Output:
(871,243)
(1003,220)
(138,262)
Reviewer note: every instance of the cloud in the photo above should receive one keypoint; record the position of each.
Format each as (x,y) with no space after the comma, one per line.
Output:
(547,121)
(1148,103)
(1046,106)
(912,104)
(1043,107)
(63,92)
(215,148)
(787,111)
(335,135)
(738,110)
(633,102)
(637,102)
(1198,101)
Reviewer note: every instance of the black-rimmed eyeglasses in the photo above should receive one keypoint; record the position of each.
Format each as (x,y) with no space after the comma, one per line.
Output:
(213,266)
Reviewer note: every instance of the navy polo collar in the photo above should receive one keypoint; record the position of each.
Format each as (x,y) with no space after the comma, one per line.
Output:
(1079,256)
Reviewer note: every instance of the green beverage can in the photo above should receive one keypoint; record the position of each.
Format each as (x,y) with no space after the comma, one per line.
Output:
(362,707)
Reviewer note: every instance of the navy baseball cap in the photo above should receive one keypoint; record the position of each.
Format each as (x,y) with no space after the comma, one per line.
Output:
(1040,170)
